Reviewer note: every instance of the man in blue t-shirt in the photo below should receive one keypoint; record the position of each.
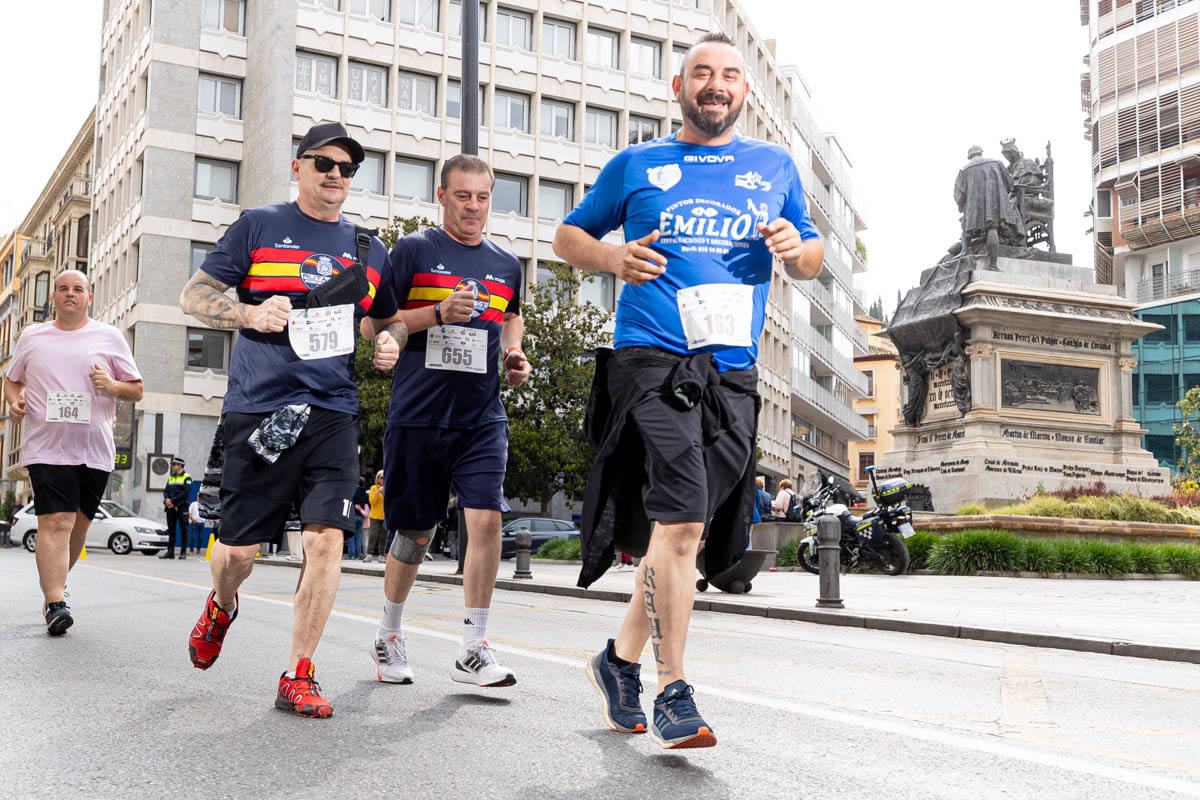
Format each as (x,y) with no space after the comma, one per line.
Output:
(704,213)
(459,296)
(304,276)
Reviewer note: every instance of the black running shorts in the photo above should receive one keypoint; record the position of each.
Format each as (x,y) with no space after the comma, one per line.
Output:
(318,474)
(60,487)
(688,478)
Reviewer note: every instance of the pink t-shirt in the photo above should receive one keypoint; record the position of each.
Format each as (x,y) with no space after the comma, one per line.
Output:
(52,360)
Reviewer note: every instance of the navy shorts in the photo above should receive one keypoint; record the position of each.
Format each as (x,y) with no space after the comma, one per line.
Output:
(420,463)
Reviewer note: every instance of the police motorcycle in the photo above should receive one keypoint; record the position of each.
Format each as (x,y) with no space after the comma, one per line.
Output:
(876,539)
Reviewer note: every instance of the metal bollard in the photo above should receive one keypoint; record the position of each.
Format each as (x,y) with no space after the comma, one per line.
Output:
(829,537)
(524,544)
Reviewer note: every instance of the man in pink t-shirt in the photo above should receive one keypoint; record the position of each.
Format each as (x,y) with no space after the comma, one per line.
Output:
(63,383)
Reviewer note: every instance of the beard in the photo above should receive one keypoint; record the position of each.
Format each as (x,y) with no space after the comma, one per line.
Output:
(709,124)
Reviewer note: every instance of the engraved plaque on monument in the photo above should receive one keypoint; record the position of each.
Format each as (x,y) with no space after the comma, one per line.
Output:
(1017,365)
(1038,386)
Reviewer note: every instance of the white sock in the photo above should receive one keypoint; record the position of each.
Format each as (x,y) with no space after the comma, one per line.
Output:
(474,627)
(390,624)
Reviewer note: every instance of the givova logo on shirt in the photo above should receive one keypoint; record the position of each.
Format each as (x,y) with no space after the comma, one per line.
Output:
(712,219)
(318,268)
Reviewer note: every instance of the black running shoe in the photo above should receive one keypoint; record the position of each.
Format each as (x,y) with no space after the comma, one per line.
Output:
(58,618)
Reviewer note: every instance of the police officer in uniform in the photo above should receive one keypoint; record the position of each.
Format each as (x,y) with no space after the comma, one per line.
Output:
(176,494)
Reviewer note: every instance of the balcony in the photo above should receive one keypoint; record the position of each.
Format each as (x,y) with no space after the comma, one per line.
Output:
(826,403)
(822,349)
(79,187)
(1174,285)
(1159,220)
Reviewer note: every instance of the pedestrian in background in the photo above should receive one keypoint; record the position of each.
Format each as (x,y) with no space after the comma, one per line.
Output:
(376,544)
(195,528)
(784,499)
(762,500)
(362,508)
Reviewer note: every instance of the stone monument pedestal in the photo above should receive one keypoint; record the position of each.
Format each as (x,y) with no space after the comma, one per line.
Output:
(1049,364)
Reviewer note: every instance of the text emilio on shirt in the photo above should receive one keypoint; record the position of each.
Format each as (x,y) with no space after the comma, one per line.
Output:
(707,202)
(48,359)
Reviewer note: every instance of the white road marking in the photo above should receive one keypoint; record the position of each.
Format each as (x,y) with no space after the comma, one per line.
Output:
(977,743)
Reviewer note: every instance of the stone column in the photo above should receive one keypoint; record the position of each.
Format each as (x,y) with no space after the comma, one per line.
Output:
(1124,390)
(983,375)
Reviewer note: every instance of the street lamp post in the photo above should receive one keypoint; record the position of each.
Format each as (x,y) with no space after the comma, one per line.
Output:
(470,77)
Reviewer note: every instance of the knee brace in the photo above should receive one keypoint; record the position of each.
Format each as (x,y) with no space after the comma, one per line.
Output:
(409,547)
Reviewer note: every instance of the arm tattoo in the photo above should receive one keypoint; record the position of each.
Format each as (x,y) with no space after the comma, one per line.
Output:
(399,332)
(204,298)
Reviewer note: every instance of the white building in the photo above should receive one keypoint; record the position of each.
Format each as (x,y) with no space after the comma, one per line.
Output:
(201,102)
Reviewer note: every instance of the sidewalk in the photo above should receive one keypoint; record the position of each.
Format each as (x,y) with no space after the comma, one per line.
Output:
(1145,619)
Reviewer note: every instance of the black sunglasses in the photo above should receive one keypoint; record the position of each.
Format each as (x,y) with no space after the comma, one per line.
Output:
(325,164)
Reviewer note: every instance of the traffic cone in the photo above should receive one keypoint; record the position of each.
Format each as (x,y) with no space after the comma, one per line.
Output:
(212,537)
(83,554)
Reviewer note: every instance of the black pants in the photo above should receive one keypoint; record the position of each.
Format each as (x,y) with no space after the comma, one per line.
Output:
(174,518)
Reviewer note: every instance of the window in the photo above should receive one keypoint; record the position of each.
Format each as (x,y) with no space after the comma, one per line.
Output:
(555,200)
(418,13)
(1191,327)
(41,290)
(558,39)
(865,460)
(644,57)
(603,48)
(510,195)
(1190,381)
(200,251)
(413,178)
(600,127)
(369,177)
(416,93)
(870,373)
(512,111)
(1162,448)
(316,74)
(370,8)
(1167,334)
(228,15)
(598,288)
(642,129)
(207,350)
(677,54)
(454,101)
(1160,388)
(220,95)
(512,28)
(8,270)
(558,119)
(1103,204)
(215,179)
(367,84)
(456,19)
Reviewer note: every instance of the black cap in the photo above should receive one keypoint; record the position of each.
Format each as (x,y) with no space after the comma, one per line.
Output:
(331,133)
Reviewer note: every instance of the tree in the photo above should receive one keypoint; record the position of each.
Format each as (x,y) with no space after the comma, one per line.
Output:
(876,310)
(861,249)
(1187,434)
(547,450)
(897,306)
(375,386)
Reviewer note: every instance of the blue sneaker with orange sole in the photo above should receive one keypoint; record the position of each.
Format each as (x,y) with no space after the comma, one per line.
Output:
(677,724)
(621,688)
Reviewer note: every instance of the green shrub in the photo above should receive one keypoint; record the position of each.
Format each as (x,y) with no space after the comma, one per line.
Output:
(1041,556)
(1182,558)
(967,552)
(8,505)
(971,510)
(560,549)
(1146,557)
(919,545)
(1109,558)
(787,555)
(1122,507)
(1072,556)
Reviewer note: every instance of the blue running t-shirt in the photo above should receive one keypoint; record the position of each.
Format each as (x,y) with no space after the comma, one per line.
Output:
(707,202)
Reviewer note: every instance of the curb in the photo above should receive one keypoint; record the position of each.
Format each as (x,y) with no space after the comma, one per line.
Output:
(1081,644)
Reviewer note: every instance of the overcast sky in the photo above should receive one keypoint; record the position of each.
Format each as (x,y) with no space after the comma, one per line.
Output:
(906,92)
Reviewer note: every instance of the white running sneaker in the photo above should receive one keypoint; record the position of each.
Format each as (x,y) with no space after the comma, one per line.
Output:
(478,666)
(391,660)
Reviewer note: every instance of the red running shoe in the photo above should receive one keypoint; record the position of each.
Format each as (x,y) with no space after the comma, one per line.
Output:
(301,694)
(204,645)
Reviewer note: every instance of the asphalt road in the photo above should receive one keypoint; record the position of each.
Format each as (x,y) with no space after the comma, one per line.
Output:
(114,708)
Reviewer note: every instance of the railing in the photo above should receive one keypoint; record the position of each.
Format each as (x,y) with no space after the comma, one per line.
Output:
(828,403)
(1164,286)
(823,349)
(80,185)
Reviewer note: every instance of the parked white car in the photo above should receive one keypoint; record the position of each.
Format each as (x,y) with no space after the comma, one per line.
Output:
(115,527)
